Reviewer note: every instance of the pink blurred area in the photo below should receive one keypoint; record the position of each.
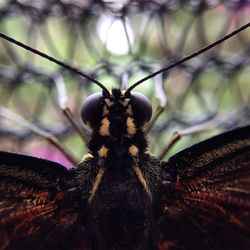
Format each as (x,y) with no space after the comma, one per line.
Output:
(51,153)
(37,149)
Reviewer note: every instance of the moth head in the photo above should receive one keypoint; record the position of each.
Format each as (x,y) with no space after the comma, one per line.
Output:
(118,105)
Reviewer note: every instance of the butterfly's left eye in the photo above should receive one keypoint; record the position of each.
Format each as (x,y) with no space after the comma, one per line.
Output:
(91,110)
(141,106)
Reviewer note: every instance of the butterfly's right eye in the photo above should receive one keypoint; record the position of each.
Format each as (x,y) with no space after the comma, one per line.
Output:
(91,110)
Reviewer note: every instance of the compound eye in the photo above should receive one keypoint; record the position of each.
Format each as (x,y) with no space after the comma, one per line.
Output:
(141,107)
(91,110)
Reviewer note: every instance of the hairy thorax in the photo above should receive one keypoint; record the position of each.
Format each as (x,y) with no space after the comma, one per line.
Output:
(120,210)
(120,200)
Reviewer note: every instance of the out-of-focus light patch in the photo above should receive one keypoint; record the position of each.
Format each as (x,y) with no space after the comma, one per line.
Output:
(52,154)
(112,32)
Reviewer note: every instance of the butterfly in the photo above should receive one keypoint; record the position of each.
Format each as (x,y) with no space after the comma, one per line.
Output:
(121,197)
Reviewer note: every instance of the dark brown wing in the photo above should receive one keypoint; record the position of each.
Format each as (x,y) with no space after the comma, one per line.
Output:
(37,208)
(206,199)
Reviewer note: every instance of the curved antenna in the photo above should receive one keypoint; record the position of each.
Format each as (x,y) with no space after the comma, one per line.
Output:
(54,60)
(196,53)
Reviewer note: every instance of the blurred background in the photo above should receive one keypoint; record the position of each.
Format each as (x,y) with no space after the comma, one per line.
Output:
(118,43)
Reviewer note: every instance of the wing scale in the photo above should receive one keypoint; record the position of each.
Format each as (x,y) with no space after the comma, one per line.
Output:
(37,208)
(206,196)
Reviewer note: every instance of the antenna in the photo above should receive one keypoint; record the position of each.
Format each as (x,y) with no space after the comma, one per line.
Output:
(196,53)
(164,69)
(54,60)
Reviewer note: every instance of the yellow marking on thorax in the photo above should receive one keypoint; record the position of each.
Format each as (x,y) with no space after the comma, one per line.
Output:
(131,128)
(104,129)
(133,150)
(142,180)
(105,111)
(103,151)
(96,183)
(86,157)
(125,102)
(129,110)
(108,102)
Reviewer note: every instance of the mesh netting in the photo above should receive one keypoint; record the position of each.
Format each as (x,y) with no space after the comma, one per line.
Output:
(117,43)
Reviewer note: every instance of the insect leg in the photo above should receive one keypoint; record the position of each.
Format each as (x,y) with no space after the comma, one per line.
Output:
(7,114)
(162,98)
(62,103)
(199,128)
